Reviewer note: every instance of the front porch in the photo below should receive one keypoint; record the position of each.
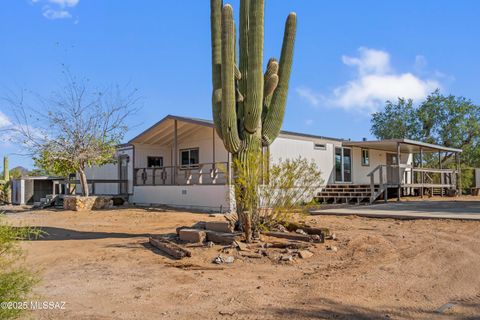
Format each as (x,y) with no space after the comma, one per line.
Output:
(180,151)
(413,178)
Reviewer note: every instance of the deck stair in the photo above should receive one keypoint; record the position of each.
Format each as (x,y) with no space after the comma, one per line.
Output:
(346,193)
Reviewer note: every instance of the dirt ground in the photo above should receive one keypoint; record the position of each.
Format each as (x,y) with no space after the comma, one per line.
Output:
(101,265)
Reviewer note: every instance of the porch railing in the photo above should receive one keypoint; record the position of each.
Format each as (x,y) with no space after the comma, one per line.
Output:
(383,177)
(200,174)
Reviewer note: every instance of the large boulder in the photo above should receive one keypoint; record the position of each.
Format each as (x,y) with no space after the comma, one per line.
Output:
(79,203)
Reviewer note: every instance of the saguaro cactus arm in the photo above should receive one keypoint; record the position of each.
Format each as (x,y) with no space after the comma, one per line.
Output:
(254,94)
(228,117)
(270,81)
(274,116)
(216,34)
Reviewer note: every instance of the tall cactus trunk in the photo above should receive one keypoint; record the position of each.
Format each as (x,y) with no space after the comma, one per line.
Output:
(8,183)
(248,106)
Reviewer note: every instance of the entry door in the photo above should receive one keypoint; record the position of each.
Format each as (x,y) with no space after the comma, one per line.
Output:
(343,164)
(123,174)
(392,173)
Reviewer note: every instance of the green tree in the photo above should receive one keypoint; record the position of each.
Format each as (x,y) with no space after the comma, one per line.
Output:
(398,120)
(441,119)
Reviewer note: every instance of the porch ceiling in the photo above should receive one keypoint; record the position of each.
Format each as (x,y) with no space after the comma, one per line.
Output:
(163,132)
(406,146)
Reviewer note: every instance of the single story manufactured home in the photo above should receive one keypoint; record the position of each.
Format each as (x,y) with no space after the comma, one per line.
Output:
(182,162)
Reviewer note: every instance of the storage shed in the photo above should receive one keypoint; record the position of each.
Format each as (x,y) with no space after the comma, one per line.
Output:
(29,190)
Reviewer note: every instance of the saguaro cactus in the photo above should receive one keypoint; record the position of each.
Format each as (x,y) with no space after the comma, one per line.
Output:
(6,179)
(248,106)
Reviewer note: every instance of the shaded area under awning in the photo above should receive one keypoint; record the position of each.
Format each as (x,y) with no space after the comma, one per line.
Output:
(406,146)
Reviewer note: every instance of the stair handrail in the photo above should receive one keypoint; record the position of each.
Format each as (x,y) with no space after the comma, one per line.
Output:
(381,187)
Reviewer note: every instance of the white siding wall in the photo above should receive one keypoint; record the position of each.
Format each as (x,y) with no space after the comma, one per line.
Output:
(143,151)
(291,148)
(204,197)
(377,157)
(111,172)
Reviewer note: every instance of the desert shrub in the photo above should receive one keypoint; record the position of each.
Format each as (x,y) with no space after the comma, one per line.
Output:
(270,194)
(291,185)
(16,281)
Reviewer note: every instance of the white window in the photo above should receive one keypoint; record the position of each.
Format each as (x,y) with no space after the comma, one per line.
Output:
(189,157)
(320,146)
(365,157)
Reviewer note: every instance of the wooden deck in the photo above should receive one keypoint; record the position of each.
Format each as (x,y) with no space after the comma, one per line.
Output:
(407,179)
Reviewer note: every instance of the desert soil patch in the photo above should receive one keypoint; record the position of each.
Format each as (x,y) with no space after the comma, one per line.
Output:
(102,266)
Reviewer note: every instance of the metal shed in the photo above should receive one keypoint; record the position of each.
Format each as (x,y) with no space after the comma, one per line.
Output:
(29,190)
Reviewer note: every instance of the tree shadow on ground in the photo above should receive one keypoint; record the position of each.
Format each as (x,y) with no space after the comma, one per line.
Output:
(330,309)
(53,233)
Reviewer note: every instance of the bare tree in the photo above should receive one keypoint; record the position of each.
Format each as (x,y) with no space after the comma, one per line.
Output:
(74,128)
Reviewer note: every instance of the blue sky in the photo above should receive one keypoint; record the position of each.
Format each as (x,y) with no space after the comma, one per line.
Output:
(350,56)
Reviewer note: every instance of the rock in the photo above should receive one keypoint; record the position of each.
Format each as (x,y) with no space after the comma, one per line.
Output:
(229,259)
(240,245)
(332,248)
(333,236)
(210,244)
(192,235)
(219,226)
(305,254)
(317,238)
(78,203)
(218,260)
(300,231)
(288,258)
(223,237)
(281,228)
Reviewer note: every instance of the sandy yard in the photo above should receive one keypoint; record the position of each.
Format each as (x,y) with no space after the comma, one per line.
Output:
(101,265)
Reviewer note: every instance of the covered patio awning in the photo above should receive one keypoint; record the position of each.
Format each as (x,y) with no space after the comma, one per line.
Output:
(406,146)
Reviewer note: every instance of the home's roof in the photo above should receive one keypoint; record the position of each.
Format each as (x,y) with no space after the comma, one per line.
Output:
(209,123)
(39,178)
(406,146)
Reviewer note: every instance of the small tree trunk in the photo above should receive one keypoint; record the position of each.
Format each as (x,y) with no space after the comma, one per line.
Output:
(246,220)
(83,182)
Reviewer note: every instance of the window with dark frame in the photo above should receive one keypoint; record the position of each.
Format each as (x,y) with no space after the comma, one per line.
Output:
(320,146)
(365,157)
(154,162)
(189,158)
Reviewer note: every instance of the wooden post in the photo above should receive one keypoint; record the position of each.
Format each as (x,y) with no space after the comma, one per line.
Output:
(399,189)
(442,178)
(421,172)
(175,153)
(381,186)
(213,146)
(213,173)
(229,169)
(459,174)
